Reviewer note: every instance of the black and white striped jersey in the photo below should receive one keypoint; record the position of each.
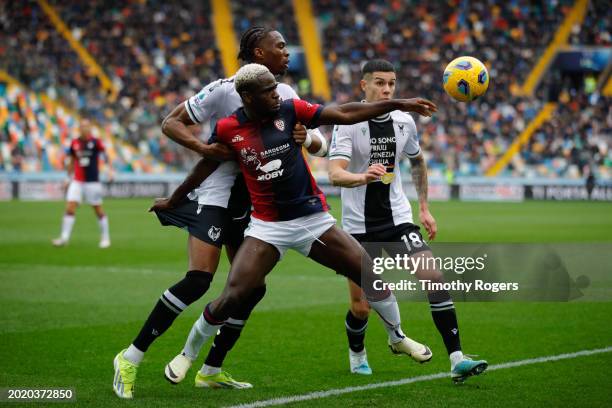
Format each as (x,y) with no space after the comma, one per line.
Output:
(375,206)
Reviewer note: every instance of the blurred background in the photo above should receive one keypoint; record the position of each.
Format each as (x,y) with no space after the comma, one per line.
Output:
(543,130)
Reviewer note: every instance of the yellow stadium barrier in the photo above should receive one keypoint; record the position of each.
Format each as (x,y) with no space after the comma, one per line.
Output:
(575,16)
(83,54)
(224,33)
(309,36)
(544,115)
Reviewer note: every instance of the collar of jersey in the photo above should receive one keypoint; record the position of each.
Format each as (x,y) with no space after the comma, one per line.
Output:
(241,115)
(381,118)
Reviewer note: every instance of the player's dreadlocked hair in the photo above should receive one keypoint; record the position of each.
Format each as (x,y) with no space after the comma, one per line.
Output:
(249,41)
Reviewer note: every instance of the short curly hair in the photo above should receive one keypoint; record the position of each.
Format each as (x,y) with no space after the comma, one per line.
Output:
(248,75)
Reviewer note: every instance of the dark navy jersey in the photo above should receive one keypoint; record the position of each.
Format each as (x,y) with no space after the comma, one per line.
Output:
(85,155)
(276,173)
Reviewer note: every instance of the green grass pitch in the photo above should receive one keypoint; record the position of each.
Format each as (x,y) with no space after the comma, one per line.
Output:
(66,312)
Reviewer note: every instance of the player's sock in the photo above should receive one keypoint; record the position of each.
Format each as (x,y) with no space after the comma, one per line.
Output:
(103,223)
(171,303)
(67,224)
(204,328)
(133,354)
(445,319)
(209,370)
(389,313)
(455,357)
(230,332)
(355,331)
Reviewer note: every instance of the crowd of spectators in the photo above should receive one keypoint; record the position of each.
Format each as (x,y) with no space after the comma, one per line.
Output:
(157,53)
(34,130)
(422,37)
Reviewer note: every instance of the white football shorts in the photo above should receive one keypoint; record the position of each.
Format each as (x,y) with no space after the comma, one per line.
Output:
(91,190)
(297,234)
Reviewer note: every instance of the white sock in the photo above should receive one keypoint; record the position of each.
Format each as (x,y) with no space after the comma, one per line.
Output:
(133,355)
(208,370)
(455,357)
(103,223)
(389,313)
(200,332)
(67,223)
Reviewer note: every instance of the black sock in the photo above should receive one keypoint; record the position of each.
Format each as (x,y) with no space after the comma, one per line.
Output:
(171,303)
(355,331)
(230,332)
(445,319)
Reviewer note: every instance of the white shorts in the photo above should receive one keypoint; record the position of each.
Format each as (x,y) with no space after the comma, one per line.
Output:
(297,234)
(91,190)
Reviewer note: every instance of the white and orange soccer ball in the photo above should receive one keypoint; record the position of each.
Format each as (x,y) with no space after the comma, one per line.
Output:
(465,79)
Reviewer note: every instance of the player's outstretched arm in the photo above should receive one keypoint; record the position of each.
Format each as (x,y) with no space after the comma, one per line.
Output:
(419,178)
(355,112)
(339,176)
(198,174)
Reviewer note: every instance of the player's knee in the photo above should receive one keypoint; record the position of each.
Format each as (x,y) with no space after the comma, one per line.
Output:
(192,287)
(360,309)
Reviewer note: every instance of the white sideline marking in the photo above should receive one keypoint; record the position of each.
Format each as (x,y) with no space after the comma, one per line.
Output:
(347,390)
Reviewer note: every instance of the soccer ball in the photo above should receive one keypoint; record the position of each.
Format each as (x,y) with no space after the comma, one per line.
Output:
(465,79)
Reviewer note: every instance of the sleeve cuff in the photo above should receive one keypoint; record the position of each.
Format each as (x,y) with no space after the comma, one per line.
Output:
(191,113)
(339,156)
(412,155)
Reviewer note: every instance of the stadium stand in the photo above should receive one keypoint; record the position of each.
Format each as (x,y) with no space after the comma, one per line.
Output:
(155,62)
(158,53)
(463,139)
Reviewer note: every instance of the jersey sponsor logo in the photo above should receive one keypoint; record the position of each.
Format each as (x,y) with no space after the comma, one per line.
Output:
(271,170)
(275,150)
(214,233)
(271,166)
(237,139)
(382,150)
(249,156)
(90,145)
(280,124)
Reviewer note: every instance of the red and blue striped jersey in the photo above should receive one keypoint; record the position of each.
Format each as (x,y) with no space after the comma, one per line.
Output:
(85,155)
(277,176)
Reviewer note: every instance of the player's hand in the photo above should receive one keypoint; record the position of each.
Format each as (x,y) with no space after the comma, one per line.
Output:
(429,222)
(299,133)
(218,151)
(419,105)
(161,204)
(374,172)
